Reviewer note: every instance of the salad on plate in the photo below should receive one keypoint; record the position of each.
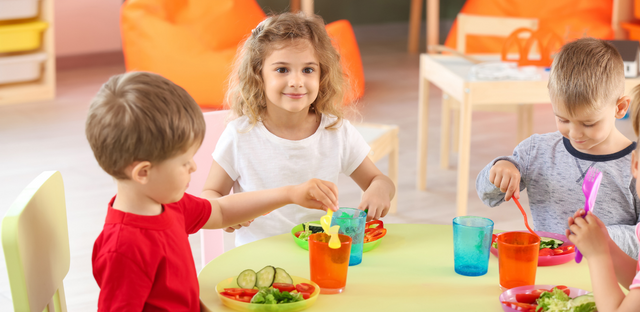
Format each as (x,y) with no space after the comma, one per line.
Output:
(556,299)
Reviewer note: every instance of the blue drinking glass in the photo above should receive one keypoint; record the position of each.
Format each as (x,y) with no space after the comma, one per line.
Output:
(352,222)
(471,245)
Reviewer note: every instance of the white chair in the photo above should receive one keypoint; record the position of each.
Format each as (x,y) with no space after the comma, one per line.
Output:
(383,140)
(211,241)
(35,240)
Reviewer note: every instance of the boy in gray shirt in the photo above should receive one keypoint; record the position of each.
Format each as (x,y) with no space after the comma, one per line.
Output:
(586,87)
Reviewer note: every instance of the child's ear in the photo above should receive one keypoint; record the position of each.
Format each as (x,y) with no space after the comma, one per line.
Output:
(634,164)
(622,106)
(139,171)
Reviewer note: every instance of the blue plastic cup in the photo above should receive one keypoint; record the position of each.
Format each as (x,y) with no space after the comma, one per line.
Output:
(471,245)
(352,222)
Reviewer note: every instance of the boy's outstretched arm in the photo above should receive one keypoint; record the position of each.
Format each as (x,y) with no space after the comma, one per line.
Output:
(508,178)
(219,184)
(378,189)
(588,235)
(236,208)
(504,177)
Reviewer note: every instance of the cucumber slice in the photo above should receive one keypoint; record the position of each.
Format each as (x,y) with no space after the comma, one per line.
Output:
(247,279)
(282,277)
(265,276)
(315,228)
(548,242)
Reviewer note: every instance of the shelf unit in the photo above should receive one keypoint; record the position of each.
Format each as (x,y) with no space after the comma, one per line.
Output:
(45,87)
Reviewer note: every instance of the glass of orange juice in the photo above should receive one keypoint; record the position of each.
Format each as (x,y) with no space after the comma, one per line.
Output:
(329,266)
(517,259)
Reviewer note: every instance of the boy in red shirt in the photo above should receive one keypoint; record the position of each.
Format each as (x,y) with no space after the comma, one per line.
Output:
(144,131)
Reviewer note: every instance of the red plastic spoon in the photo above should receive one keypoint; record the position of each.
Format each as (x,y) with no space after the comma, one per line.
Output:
(524,214)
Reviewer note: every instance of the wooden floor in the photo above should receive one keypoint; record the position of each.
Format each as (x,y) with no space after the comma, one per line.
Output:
(49,135)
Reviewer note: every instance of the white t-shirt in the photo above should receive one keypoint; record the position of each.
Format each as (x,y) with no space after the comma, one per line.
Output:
(257,160)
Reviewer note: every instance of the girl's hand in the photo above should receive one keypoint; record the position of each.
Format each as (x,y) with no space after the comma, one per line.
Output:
(316,194)
(377,203)
(580,213)
(588,236)
(505,176)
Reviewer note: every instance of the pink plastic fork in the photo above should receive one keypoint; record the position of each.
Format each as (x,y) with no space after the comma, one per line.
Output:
(590,186)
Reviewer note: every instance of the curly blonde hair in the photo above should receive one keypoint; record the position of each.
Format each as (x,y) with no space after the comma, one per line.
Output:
(246,93)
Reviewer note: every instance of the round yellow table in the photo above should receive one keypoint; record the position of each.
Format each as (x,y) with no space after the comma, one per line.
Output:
(411,270)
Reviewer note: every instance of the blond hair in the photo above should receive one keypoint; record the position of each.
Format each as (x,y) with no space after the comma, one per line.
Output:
(585,74)
(246,93)
(141,116)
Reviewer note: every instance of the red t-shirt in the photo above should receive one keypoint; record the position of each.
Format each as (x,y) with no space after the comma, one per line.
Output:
(144,263)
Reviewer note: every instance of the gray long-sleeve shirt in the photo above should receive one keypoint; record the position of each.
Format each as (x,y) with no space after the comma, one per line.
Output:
(552,171)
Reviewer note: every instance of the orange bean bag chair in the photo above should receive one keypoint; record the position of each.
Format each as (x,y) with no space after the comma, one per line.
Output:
(570,19)
(193,43)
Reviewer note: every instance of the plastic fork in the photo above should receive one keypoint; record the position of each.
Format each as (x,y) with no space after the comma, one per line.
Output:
(590,186)
(524,214)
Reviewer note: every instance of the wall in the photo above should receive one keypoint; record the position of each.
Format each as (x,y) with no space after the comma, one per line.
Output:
(87,26)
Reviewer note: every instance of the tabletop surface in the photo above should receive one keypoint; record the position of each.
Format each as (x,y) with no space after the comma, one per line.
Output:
(412,269)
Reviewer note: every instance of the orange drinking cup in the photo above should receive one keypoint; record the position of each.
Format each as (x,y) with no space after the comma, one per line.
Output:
(517,259)
(329,266)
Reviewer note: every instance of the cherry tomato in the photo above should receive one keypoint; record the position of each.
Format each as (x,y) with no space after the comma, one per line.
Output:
(565,289)
(240,291)
(546,252)
(521,306)
(538,292)
(283,286)
(244,298)
(224,293)
(494,238)
(305,288)
(564,250)
(527,298)
(234,291)
(306,296)
(299,233)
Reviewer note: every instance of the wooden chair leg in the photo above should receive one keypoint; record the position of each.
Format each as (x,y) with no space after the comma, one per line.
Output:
(294,6)
(423,127)
(445,131)
(307,7)
(393,170)
(525,122)
(464,157)
(456,129)
(415,15)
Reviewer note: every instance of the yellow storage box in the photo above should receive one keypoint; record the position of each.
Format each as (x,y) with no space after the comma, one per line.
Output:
(21,37)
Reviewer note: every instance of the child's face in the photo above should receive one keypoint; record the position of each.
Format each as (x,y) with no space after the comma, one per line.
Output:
(587,130)
(291,77)
(169,179)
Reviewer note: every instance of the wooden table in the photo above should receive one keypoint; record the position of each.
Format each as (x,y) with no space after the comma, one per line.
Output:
(450,74)
(411,270)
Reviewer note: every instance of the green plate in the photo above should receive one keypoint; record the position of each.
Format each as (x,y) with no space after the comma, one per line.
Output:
(305,244)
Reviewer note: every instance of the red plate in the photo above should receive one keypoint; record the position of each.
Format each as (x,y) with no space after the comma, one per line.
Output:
(548,260)
(510,294)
